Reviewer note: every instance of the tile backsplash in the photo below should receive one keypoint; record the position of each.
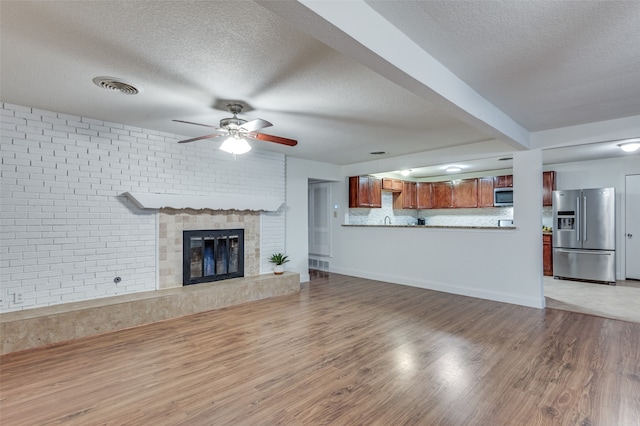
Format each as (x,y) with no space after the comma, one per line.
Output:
(488,216)
(376,216)
(547,217)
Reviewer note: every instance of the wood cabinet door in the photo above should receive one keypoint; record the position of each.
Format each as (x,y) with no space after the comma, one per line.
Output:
(407,199)
(394,185)
(409,195)
(355,192)
(375,192)
(465,193)
(548,185)
(505,181)
(424,191)
(547,255)
(442,195)
(485,192)
(365,191)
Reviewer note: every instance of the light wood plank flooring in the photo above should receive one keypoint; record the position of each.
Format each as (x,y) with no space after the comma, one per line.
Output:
(345,351)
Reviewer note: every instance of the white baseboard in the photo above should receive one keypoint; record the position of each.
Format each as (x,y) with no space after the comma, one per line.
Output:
(447,288)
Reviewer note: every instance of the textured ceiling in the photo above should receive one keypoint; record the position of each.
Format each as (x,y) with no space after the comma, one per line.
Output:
(543,64)
(547,63)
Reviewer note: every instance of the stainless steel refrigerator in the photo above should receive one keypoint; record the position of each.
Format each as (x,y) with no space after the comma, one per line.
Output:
(584,238)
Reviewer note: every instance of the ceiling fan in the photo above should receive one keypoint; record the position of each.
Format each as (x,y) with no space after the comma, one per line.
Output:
(237,129)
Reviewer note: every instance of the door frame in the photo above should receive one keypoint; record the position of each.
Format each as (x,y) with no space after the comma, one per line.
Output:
(627,215)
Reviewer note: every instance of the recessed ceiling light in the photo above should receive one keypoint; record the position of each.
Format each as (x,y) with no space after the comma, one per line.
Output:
(117,85)
(377,152)
(630,145)
(453,169)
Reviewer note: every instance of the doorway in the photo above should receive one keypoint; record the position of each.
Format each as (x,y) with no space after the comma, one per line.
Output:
(621,301)
(319,225)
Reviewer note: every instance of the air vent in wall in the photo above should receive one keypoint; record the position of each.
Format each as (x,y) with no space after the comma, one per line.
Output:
(317,264)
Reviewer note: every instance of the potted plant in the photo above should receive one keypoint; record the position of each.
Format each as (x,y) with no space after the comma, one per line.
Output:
(278,260)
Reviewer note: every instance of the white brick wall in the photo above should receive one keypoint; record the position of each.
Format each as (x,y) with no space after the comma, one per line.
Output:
(65,231)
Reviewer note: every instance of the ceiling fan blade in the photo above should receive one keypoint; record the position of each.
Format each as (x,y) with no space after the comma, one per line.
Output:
(201,137)
(198,124)
(254,125)
(271,138)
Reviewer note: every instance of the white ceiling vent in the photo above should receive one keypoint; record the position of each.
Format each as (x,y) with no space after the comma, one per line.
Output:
(117,85)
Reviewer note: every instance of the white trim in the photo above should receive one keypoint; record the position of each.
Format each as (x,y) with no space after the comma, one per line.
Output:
(446,288)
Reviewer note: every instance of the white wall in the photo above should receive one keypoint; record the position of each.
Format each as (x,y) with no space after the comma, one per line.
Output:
(599,174)
(66,232)
(297,209)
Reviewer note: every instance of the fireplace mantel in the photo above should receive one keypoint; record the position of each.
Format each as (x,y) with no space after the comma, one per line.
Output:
(199,202)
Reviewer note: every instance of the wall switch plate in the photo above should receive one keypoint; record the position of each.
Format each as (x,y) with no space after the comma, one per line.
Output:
(17,298)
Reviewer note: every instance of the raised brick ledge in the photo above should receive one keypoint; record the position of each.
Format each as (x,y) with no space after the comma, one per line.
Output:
(52,324)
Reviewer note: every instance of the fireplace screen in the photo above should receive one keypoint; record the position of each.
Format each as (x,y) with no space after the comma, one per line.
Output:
(212,255)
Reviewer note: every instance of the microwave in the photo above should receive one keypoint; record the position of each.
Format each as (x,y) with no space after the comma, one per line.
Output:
(502,197)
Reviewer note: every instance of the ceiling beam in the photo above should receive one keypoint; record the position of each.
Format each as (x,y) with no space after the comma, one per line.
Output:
(360,33)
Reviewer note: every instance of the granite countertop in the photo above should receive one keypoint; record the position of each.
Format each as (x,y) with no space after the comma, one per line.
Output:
(506,228)
(547,232)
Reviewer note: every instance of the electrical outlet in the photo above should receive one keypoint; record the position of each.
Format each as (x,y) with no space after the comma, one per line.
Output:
(17,297)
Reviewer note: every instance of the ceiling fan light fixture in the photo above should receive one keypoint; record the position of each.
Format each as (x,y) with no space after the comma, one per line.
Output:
(630,145)
(235,146)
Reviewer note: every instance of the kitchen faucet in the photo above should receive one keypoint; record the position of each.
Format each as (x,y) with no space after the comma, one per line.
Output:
(385,220)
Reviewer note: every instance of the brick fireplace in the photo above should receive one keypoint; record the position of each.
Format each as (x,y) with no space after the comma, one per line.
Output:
(173,222)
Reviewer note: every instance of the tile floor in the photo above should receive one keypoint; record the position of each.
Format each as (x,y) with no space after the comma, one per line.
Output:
(621,301)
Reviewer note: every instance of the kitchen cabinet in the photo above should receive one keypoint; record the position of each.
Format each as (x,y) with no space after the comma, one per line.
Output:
(465,193)
(505,181)
(394,185)
(547,254)
(365,191)
(424,190)
(407,199)
(485,192)
(548,185)
(442,194)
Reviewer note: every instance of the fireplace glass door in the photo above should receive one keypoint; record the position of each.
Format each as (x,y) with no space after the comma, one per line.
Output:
(212,255)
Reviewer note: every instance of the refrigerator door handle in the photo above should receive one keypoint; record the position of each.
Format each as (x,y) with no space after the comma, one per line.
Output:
(584,214)
(599,253)
(578,223)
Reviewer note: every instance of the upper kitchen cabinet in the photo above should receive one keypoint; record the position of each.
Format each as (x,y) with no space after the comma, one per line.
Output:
(485,192)
(407,199)
(393,185)
(442,194)
(425,198)
(548,185)
(365,191)
(465,193)
(505,181)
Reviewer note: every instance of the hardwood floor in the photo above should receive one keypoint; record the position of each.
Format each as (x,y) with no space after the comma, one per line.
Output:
(344,351)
